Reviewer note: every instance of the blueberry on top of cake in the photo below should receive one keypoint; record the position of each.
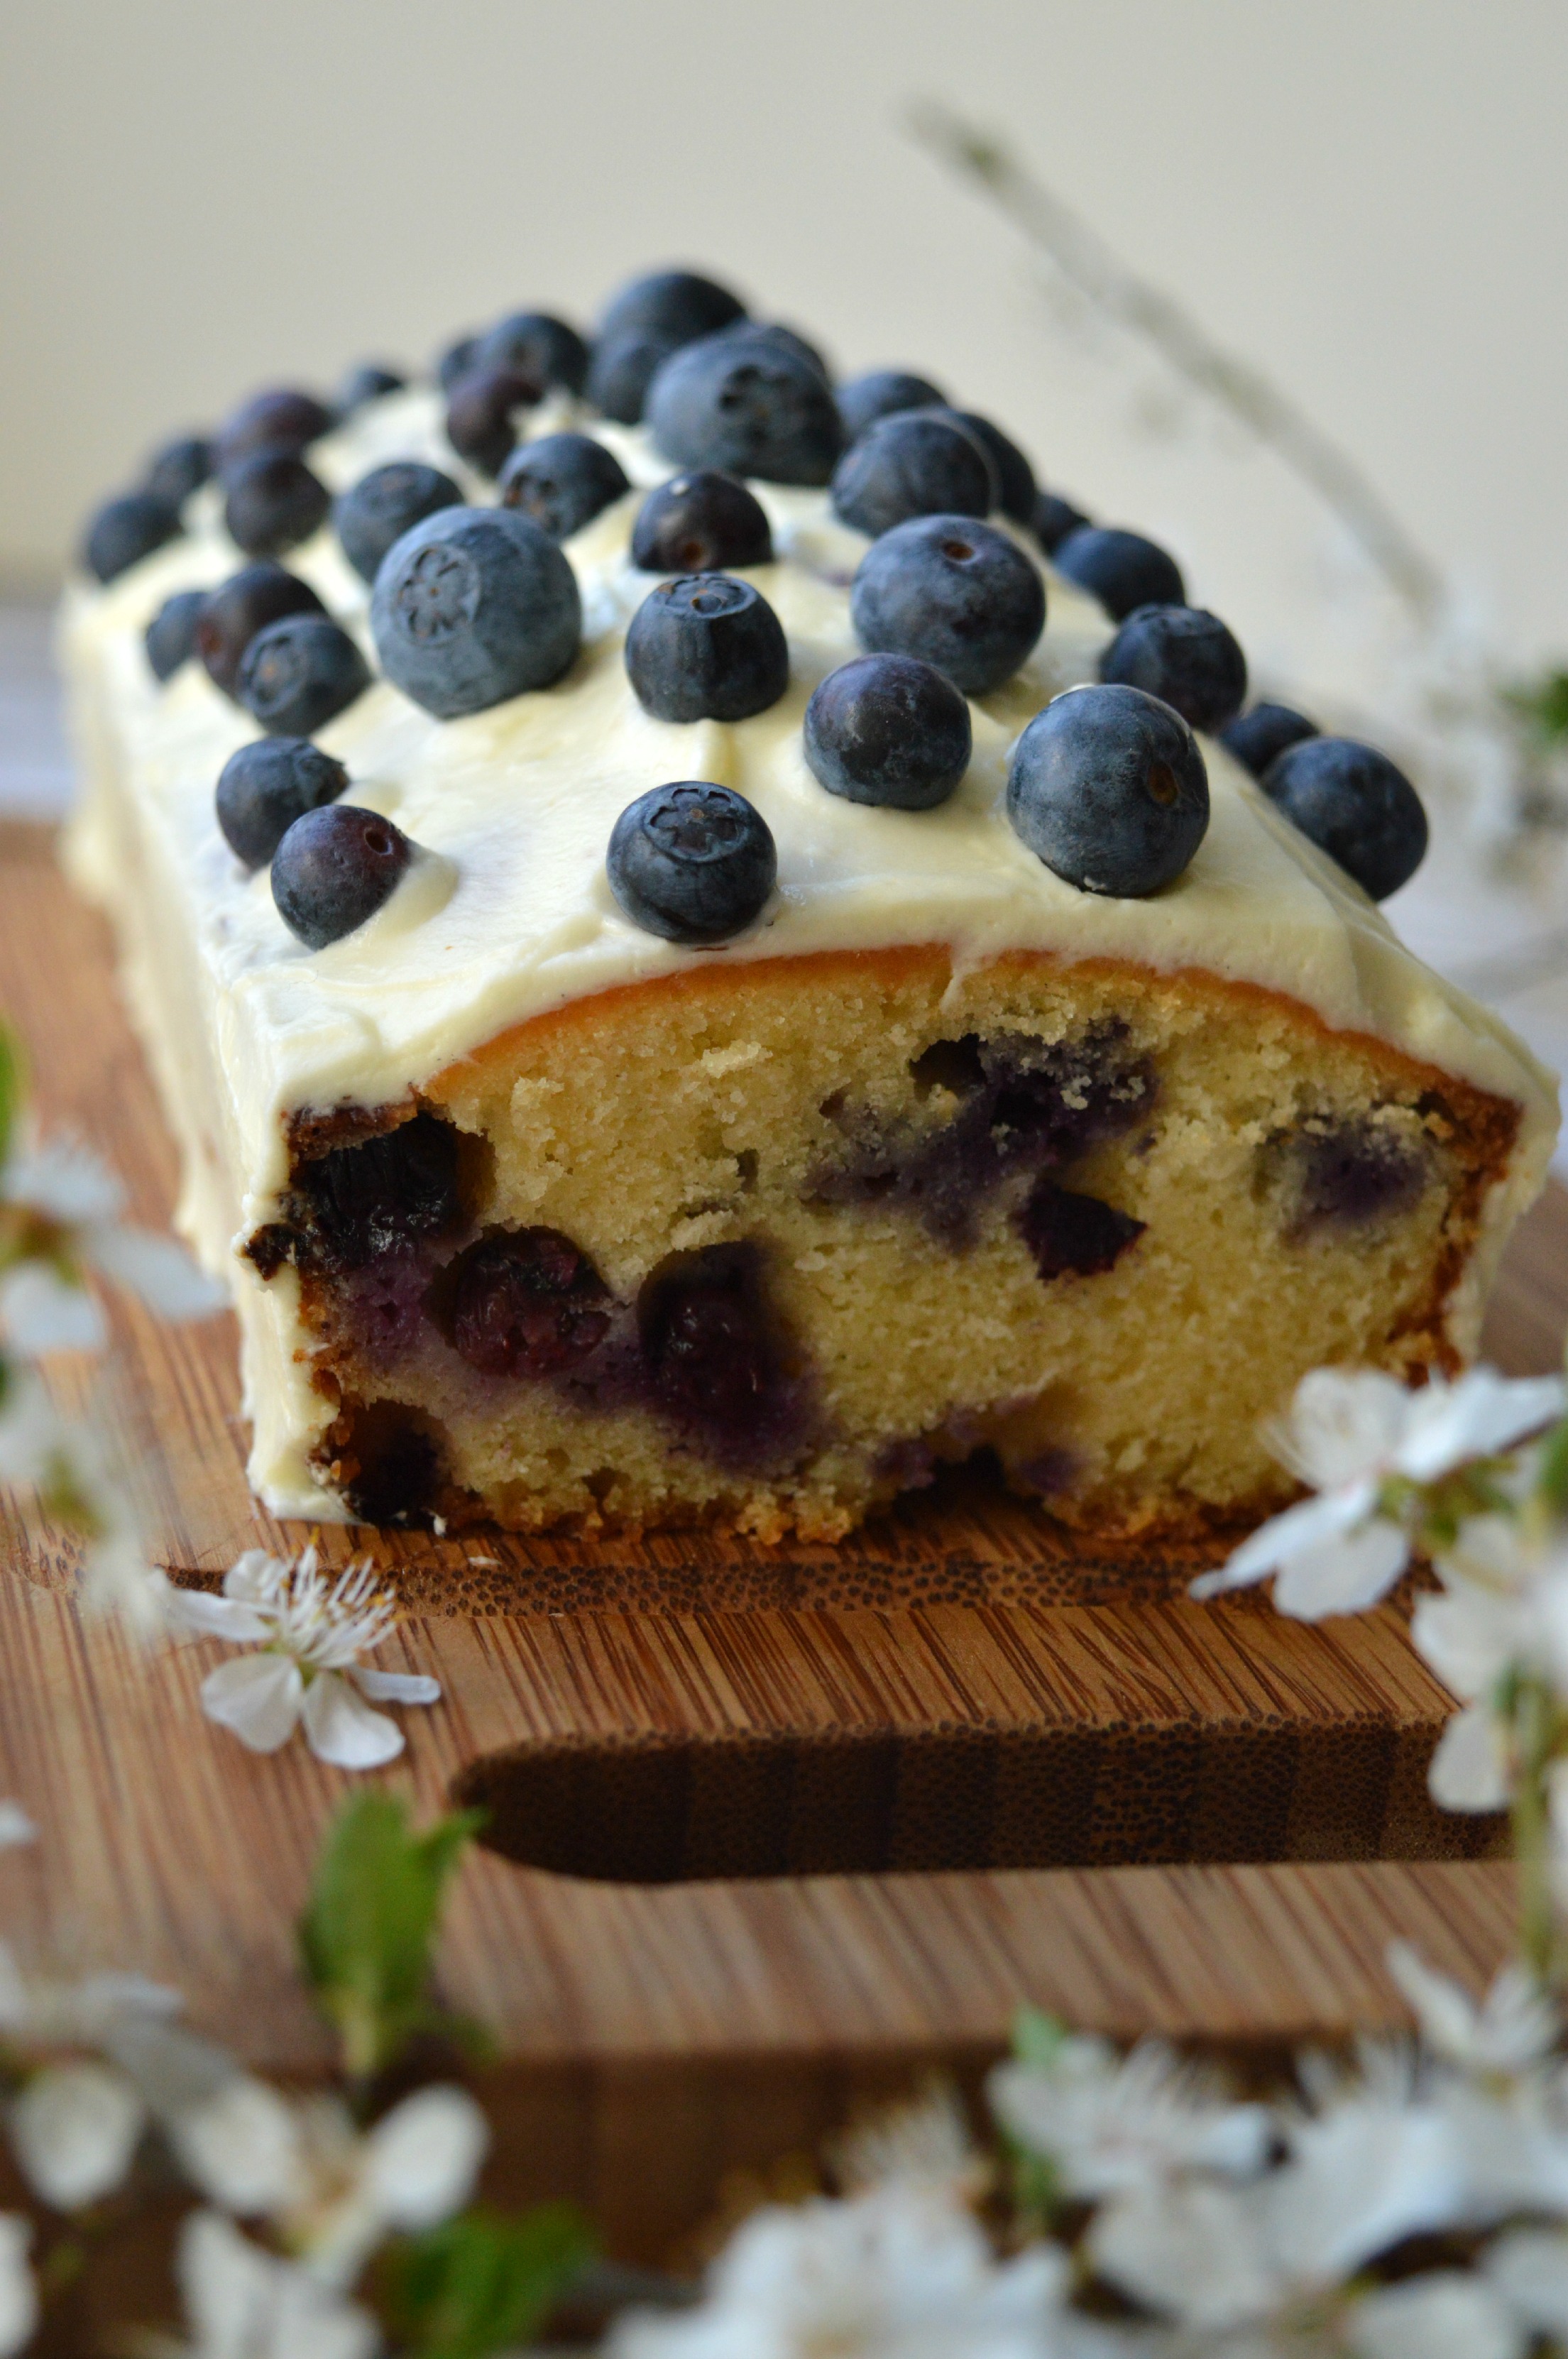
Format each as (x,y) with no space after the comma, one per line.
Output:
(711,947)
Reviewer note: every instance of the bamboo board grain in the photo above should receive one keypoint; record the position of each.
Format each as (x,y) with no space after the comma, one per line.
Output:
(957,1698)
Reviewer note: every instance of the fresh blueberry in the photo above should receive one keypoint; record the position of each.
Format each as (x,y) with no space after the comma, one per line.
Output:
(333,869)
(719,1357)
(272,502)
(706,647)
(1107,786)
(298,673)
(171,634)
(370,381)
(1053,519)
(179,468)
(455,360)
(675,305)
(1255,738)
(955,593)
(693,862)
(1122,570)
(622,369)
(917,463)
(482,415)
(384,504)
(701,523)
(1183,655)
(784,340)
(1355,806)
(887,729)
(526,1303)
(1017,490)
(282,418)
(125,530)
(257,594)
(472,606)
(537,345)
(563,481)
(882,393)
(264,788)
(747,408)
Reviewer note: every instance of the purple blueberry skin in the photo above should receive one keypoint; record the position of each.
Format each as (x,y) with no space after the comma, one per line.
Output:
(678,306)
(691,862)
(701,522)
(889,731)
(282,418)
(747,407)
(333,869)
(540,345)
(1258,737)
(621,370)
(1184,656)
(1053,519)
(472,606)
(955,593)
(240,607)
(265,785)
(299,673)
(455,360)
(1107,788)
(784,340)
(562,481)
(1355,804)
(272,502)
(917,463)
(1016,488)
(883,392)
(170,638)
(369,381)
(481,414)
(125,530)
(384,504)
(1122,570)
(179,468)
(706,647)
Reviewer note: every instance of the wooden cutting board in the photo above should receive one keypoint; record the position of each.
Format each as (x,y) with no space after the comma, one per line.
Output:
(768,1826)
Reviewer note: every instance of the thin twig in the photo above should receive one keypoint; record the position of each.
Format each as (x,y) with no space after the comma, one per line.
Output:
(1083,257)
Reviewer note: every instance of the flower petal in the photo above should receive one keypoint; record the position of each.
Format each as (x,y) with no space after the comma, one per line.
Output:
(16,1827)
(65,1180)
(1476,1418)
(1441,2314)
(156,1271)
(42,1311)
(242,2147)
(1469,1769)
(1305,1525)
(1346,1576)
(18,2295)
(1343,1426)
(197,1614)
(395,1687)
(424,2157)
(75,2128)
(1529,2268)
(260,1698)
(344,1730)
(1467,1636)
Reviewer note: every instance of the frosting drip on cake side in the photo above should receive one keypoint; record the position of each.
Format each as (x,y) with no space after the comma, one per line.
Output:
(511,914)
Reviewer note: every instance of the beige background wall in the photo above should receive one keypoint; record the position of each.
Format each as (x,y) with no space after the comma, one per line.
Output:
(1366,196)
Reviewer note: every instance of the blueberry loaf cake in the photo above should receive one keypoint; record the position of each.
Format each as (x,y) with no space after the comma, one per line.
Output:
(710,947)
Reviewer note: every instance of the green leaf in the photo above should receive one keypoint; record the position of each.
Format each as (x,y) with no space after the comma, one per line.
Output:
(483,2282)
(370,1926)
(1544,704)
(1551,1480)
(1037,2037)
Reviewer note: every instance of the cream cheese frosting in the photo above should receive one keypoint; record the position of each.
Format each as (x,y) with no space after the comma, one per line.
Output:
(506,912)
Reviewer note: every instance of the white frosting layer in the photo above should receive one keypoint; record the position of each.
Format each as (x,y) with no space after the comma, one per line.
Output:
(511,914)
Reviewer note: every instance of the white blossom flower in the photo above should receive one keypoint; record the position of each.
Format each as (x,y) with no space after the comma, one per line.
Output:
(1503,1608)
(331,2192)
(311,1633)
(1513,2030)
(19,2294)
(59,1216)
(895,2273)
(1107,2122)
(923,2144)
(43,2012)
(1528,2268)
(244,2303)
(1441,2314)
(75,2128)
(66,1463)
(1351,1433)
(16,1827)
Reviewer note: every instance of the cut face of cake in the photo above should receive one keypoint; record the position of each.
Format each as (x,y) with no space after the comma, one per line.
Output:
(538,1210)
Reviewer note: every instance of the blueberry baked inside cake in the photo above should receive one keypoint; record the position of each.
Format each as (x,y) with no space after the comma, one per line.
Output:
(710,947)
